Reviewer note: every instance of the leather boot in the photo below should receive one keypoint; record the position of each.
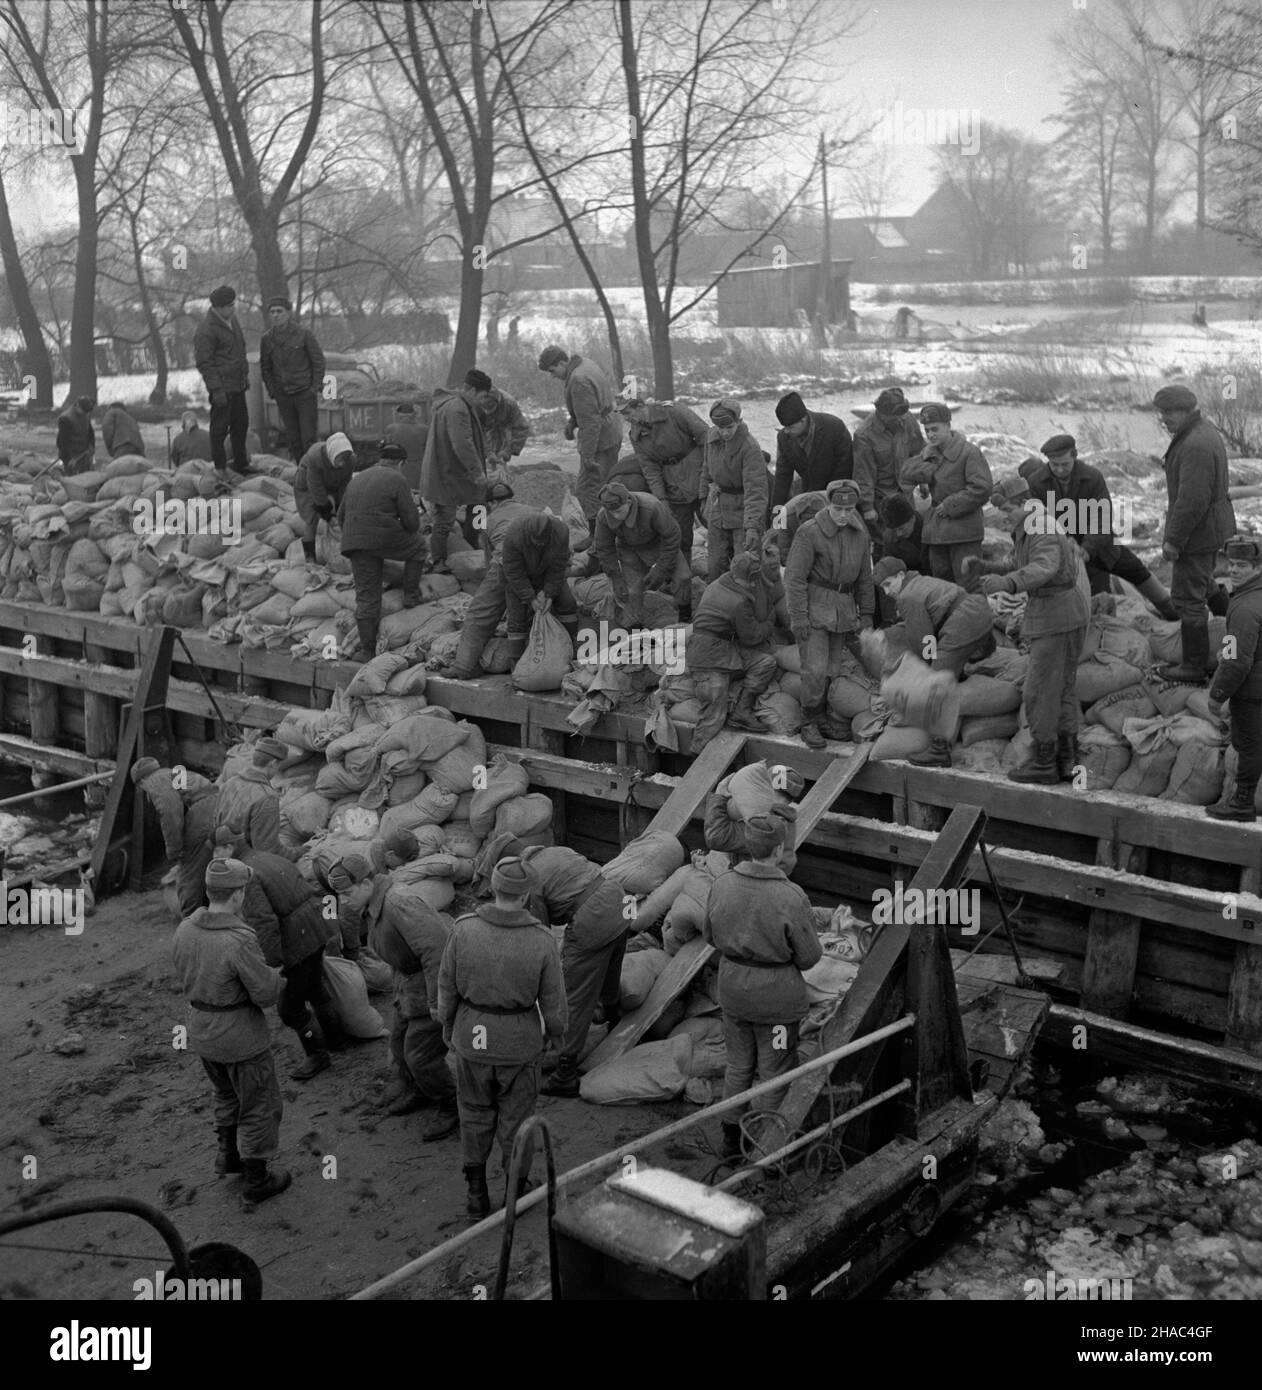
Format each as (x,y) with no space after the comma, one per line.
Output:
(1237,806)
(309,552)
(1041,768)
(412,572)
(312,1039)
(744,715)
(1159,596)
(262,1182)
(811,735)
(228,1160)
(938,754)
(367,639)
(334,1039)
(563,1081)
(477,1199)
(446,1121)
(1191,670)
(732,1141)
(1067,756)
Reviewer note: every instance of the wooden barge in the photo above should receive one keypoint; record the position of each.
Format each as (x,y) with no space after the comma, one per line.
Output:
(1152,910)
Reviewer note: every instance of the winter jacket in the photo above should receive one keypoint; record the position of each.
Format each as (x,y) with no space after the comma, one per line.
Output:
(247,799)
(453,471)
(535,555)
(410,936)
(377,510)
(504,426)
(910,548)
(734,481)
(75,436)
(219,961)
(727,619)
(120,433)
(669,443)
(500,970)
(172,805)
(1200,516)
(286,914)
(879,457)
(564,877)
(926,605)
(499,519)
(411,436)
(191,444)
(820,456)
(755,914)
(649,530)
(219,350)
(725,831)
(589,399)
(1241,677)
(828,580)
(322,479)
(1089,520)
(960,484)
(1049,569)
(291,361)
(332,849)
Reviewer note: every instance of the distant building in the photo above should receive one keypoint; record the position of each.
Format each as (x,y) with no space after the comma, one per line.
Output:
(768,296)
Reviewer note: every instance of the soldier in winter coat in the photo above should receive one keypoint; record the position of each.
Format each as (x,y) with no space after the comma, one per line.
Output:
(958,479)
(406,430)
(882,444)
(733,488)
(249,800)
(504,428)
(453,473)
(291,363)
(76,439)
(637,544)
(120,433)
(668,440)
(814,445)
(192,442)
(593,422)
(187,816)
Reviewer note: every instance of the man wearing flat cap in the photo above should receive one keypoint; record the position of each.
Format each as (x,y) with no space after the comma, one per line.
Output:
(228,984)
(1199,521)
(500,975)
(637,545)
(453,472)
(291,364)
(828,582)
(733,487)
(958,479)
(219,350)
(594,423)
(813,445)
(1237,679)
(1047,568)
(882,444)
(324,474)
(248,799)
(669,441)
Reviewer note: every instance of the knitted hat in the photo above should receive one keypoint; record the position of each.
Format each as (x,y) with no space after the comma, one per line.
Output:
(338,444)
(278,301)
(1174,398)
(891,401)
(477,380)
(1030,468)
(268,748)
(227,875)
(842,492)
(935,413)
(764,832)
(1060,444)
(744,567)
(552,357)
(725,411)
(1008,490)
(402,843)
(897,511)
(392,453)
(499,492)
(886,569)
(614,495)
(143,769)
(222,297)
(790,409)
(515,878)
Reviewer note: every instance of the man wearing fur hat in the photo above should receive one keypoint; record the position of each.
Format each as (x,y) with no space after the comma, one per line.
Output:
(291,364)
(882,444)
(828,583)
(637,544)
(811,444)
(594,423)
(219,350)
(453,472)
(249,800)
(733,488)
(763,927)
(958,479)
(500,971)
(1048,569)
(669,441)
(324,473)
(228,984)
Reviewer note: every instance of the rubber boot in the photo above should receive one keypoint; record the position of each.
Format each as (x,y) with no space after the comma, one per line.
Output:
(563,1081)
(1159,596)
(478,1199)
(1067,755)
(732,1141)
(309,552)
(938,754)
(412,572)
(228,1160)
(811,735)
(367,639)
(262,1182)
(744,715)
(446,1121)
(1041,768)
(334,1039)
(312,1039)
(1191,669)
(1237,806)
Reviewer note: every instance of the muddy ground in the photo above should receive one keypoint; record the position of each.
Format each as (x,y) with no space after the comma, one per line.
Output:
(131,1115)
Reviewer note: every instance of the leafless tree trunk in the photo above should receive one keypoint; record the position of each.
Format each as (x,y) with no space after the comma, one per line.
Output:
(37,362)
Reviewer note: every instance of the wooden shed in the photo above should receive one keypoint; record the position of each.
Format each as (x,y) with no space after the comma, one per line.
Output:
(766,296)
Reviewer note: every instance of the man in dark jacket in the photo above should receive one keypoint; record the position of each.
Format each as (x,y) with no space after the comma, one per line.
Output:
(406,430)
(668,440)
(882,444)
(763,927)
(453,474)
(1238,678)
(815,446)
(903,535)
(76,439)
(380,522)
(324,474)
(731,640)
(1198,523)
(219,350)
(192,442)
(637,544)
(248,798)
(958,479)
(504,428)
(594,423)
(119,432)
(536,558)
(733,488)
(291,364)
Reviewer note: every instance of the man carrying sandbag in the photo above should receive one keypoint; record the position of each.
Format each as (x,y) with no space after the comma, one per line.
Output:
(958,480)
(186,815)
(1238,679)
(1048,569)
(637,544)
(668,440)
(828,583)
(763,927)
(945,626)
(733,489)
(288,920)
(725,826)
(249,800)
(380,521)
(453,471)
(324,473)
(500,971)
(228,984)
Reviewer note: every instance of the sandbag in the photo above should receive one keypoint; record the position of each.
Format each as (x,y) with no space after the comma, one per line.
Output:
(1169,697)
(851,692)
(1196,779)
(316,603)
(182,607)
(313,729)
(709,1054)
(468,566)
(422,738)
(640,970)
(337,780)
(1115,637)
(362,736)
(433,806)
(1004,663)
(373,676)
(687,913)
(354,821)
(980,728)
(658,903)
(302,815)
(504,780)
(751,791)
(456,768)
(498,657)
(981,695)
(1148,773)
(1114,710)
(409,624)
(652,1071)
(460,840)
(1103,674)
(898,741)
(791,685)
(547,657)
(922,698)
(405,787)
(389,710)
(527,817)
(648,861)
(275,611)
(348,999)
(378,977)
(439,893)
(781,713)
(1019,751)
(408,681)
(1104,756)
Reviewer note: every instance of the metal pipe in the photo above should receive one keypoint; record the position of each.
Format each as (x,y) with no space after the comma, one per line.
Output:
(60,787)
(489,1223)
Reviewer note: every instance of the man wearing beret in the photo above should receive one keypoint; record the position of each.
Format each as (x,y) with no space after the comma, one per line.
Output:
(324,474)
(814,445)
(228,984)
(249,800)
(733,487)
(1048,569)
(291,364)
(882,444)
(594,423)
(1077,495)
(1237,679)
(1199,521)
(187,816)
(958,479)
(219,350)
(763,927)
(637,544)
(669,441)
(828,583)
(453,472)
(500,972)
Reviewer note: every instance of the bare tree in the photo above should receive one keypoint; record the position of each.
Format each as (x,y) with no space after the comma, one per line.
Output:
(36,361)
(1087,154)
(997,190)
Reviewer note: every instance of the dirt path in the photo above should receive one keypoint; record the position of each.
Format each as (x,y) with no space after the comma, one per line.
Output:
(131,1115)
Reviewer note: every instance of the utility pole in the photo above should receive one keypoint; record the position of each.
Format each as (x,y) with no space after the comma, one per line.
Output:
(825,257)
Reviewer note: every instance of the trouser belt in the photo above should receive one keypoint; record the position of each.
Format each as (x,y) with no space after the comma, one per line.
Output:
(218,1008)
(758,964)
(495,1008)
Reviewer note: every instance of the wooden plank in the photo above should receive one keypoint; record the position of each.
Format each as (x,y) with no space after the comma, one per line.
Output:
(700,780)
(100,713)
(1244,990)
(825,792)
(1112,954)
(27,753)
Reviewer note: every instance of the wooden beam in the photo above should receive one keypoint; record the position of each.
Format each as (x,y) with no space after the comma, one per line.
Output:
(701,779)
(1244,990)
(1108,971)
(27,753)
(825,792)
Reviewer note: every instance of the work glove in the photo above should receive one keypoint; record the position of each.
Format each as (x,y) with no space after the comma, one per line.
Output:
(571,428)
(994,584)
(542,602)
(219,398)
(753,541)
(658,579)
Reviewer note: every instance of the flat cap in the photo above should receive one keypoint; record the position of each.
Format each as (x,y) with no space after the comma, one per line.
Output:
(790,409)
(280,301)
(725,411)
(552,356)
(843,491)
(227,875)
(477,380)
(144,768)
(222,297)
(892,401)
(1008,490)
(935,413)
(514,876)
(1175,398)
(1030,468)
(1059,444)
(887,568)
(392,453)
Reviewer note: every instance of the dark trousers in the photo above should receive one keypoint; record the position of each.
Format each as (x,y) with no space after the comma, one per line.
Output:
(1190,582)
(232,419)
(685,514)
(304,982)
(190,884)
(247,1098)
(1246,739)
(367,570)
(946,561)
(1126,565)
(420,1055)
(757,1052)
(298,415)
(495,1099)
